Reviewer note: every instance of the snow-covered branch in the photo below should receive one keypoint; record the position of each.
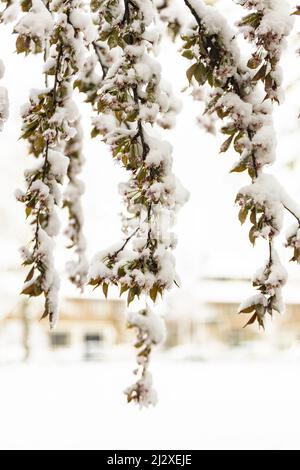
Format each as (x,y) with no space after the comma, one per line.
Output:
(238,99)
(3,99)
(131,101)
(267,27)
(78,268)
(50,120)
(8,14)
(150,330)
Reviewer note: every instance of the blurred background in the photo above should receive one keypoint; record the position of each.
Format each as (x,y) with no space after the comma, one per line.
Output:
(220,386)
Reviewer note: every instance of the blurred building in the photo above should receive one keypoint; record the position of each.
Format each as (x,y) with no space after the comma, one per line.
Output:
(202,317)
(85,329)
(208,314)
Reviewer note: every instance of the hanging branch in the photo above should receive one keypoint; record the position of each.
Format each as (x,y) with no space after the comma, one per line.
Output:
(41,195)
(77,269)
(267,27)
(293,234)
(49,120)
(4,105)
(89,78)
(172,13)
(7,15)
(81,34)
(236,98)
(130,101)
(150,332)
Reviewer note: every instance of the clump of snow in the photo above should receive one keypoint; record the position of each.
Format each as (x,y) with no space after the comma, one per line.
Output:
(83,22)
(266,194)
(37,23)
(4,106)
(150,324)
(58,163)
(11,12)
(143,392)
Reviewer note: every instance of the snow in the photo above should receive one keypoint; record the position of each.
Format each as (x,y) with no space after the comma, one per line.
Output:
(277,276)
(51,279)
(148,395)
(269,36)
(266,192)
(150,323)
(41,188)
(276,19)
(241,111)
(37,22)
(11,13)
(2,69)
(3,106)
(147,8)
(236,405)
(59,164)
(216,23)
(83,22)
(76,268)
(258,299)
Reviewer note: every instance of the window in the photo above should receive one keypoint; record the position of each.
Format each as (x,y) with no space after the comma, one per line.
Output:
(60,340)
(92,345)
(93,338)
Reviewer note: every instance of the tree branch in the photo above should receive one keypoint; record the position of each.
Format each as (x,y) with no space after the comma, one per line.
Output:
(126,18)
(126,242)
(194,13)
(140,133)
(97,52)
(292,213)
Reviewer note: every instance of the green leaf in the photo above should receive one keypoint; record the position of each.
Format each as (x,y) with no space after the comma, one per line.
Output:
(94,133)
(30,275)
(253,217)
(105,289)
(190,72)
(22,44)
(123,289)
(252,235)
(131,296)
(268,82)
(252,320)
(113,39)
(225,146)
(243,215)
(200,74)
(229,130)
(154,293)
(188,54)
(260,74)
(254,62)
(33,290)
(239,167)
(248,309)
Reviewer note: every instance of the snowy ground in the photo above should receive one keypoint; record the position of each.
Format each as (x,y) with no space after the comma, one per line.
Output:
(237,405)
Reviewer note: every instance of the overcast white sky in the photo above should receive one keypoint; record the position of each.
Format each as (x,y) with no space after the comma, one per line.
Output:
(210,237)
